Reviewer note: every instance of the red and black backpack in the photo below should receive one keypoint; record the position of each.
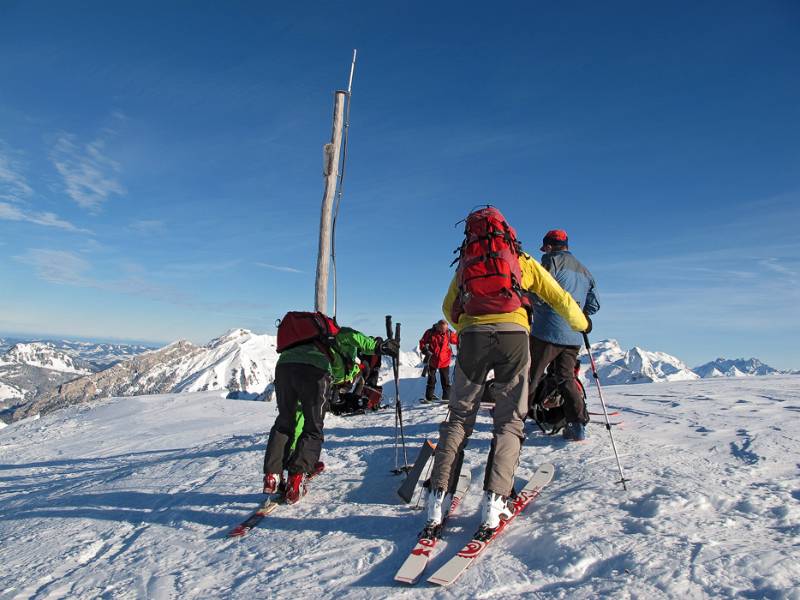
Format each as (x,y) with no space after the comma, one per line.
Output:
(297,328)
(488,274)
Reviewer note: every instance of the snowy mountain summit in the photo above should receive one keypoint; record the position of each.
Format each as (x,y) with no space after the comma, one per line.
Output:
(618,366)
(738,367)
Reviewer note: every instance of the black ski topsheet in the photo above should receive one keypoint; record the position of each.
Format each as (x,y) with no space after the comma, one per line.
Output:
(406,490)
(265,509)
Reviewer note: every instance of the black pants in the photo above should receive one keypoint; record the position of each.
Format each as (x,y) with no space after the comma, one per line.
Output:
(444,378)
(306,386)
(563,360)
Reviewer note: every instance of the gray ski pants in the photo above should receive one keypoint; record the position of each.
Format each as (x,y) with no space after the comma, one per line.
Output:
(504,348)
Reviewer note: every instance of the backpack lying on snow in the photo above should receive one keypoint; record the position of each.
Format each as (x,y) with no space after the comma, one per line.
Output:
(547,405)
(354,403)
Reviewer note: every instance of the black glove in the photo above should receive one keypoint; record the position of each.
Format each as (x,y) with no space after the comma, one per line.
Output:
(388,347)
(588,329)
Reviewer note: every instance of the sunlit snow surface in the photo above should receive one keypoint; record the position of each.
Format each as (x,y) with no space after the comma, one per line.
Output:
(131,498)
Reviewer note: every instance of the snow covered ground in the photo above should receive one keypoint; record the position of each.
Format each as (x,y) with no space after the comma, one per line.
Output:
(131,498)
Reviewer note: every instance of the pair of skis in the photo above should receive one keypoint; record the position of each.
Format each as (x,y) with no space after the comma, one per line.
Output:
(267,508)
(418,559)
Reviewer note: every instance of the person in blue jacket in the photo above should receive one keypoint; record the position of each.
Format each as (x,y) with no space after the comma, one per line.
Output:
(553,342)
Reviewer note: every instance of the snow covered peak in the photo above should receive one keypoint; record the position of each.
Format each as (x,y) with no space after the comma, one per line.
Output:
(43,355)
(609,345)
(738,367)
(637,365)
(237,336)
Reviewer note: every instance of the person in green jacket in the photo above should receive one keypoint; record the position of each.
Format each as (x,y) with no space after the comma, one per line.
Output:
(303,378)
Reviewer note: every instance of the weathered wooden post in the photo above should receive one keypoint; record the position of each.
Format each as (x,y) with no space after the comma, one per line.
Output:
(331,172)
(334,152)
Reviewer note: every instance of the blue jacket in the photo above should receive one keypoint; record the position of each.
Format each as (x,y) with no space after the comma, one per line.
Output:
(547,325)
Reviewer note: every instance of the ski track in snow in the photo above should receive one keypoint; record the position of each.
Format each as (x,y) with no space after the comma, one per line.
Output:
(132,497)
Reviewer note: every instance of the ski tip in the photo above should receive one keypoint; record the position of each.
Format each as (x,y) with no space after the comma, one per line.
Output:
(237,533)
(548,468)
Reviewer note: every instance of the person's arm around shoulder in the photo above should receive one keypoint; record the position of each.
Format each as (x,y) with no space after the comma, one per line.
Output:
(538,280)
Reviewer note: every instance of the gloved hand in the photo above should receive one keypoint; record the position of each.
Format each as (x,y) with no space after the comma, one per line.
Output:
(589,327)
(388,347)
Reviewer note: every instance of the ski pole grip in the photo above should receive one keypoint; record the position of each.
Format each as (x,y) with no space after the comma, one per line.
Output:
(586,341)
(388,327)
(397,333)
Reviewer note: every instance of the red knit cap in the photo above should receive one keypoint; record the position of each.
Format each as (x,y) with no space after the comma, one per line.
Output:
(555,237)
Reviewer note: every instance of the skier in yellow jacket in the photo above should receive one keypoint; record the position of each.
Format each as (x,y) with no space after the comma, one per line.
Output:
(492,341)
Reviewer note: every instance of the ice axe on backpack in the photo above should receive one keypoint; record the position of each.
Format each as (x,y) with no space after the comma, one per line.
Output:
(398,408)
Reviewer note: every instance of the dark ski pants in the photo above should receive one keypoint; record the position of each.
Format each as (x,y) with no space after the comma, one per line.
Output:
(504,348)
(444,378)
(307,386)
(563,360)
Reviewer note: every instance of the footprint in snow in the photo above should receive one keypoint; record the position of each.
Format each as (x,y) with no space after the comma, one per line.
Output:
(743,450)
(648,505)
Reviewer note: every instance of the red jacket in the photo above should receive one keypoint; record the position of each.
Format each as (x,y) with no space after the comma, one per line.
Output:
(439,344)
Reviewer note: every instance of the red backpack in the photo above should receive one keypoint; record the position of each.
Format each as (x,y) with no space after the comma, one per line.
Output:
(298,328)
(488,274)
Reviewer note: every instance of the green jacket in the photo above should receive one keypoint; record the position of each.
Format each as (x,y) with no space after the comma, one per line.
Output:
(347,345)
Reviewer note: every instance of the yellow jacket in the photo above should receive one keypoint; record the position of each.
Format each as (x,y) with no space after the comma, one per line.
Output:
(535,279)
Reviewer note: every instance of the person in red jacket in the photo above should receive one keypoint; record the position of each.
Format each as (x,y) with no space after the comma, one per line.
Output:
(435,343)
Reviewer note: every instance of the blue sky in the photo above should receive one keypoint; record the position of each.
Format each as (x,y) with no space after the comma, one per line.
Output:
(160,163)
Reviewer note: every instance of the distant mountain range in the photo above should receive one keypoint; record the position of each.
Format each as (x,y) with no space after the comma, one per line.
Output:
(32,369)
(739,367)
(241,362)
(95,356)
(39,377)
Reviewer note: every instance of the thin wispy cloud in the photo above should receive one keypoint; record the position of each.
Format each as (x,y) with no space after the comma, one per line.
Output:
(776,266)
(196,269)
(90,176)
(58,266)
(67,268)
(278,267)
(13,184)
(16,194)
(10,212)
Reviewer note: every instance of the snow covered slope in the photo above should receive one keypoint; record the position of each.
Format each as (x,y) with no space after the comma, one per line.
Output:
(130,498)
(9,392)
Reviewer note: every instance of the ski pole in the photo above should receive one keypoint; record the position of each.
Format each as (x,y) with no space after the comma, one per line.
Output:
(596,377)
(398,408)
